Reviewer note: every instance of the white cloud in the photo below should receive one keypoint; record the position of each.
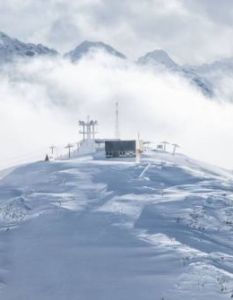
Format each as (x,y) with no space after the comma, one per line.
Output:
(42,102)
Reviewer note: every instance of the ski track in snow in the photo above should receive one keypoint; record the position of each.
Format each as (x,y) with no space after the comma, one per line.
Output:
(96,229)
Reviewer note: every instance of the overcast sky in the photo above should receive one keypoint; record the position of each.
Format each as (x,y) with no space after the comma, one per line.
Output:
(191,31)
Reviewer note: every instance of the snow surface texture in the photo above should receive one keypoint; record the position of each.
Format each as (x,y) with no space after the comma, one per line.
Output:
(110,229)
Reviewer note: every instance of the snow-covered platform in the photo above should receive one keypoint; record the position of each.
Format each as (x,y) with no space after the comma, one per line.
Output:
(109,229)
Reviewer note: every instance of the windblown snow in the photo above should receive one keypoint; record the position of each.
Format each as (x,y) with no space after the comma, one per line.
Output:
(110,229)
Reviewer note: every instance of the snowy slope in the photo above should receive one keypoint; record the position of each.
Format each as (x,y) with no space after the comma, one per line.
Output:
(97,229)
(12,48)
(219,73)
(87,47)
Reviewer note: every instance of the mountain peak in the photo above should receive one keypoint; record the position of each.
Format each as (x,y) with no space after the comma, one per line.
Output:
(161,60)
(158,57)
(87,46)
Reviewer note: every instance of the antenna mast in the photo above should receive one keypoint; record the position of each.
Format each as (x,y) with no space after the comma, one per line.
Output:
(117,131)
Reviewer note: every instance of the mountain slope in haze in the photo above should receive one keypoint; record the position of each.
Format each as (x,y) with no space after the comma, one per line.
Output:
(159,59)
(86,47)
(220,74)
(158,229)
(12,48)
(211,79)
(222,65)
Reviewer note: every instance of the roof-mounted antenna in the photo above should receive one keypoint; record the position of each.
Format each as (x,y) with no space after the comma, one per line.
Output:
(117,130)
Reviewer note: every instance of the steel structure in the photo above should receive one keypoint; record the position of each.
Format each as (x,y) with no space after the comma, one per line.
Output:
(88,129)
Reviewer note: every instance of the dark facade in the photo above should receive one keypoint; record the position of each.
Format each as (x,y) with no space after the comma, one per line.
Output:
(118,148)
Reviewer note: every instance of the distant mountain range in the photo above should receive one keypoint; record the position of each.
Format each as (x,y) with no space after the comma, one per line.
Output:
(205,77)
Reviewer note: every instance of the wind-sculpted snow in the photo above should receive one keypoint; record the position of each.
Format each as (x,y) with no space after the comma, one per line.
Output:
(97,229)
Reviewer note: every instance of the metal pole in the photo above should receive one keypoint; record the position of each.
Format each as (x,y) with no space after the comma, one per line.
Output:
(117,131)
(69,146)
(52,149)
(175,146)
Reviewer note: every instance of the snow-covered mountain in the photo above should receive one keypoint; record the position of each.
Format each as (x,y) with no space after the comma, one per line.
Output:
(12,48)
(160,60)
(212,79)
(86,47)
(220,74)
(111,229)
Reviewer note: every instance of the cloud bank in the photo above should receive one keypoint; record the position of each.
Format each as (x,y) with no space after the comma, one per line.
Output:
(42,101)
